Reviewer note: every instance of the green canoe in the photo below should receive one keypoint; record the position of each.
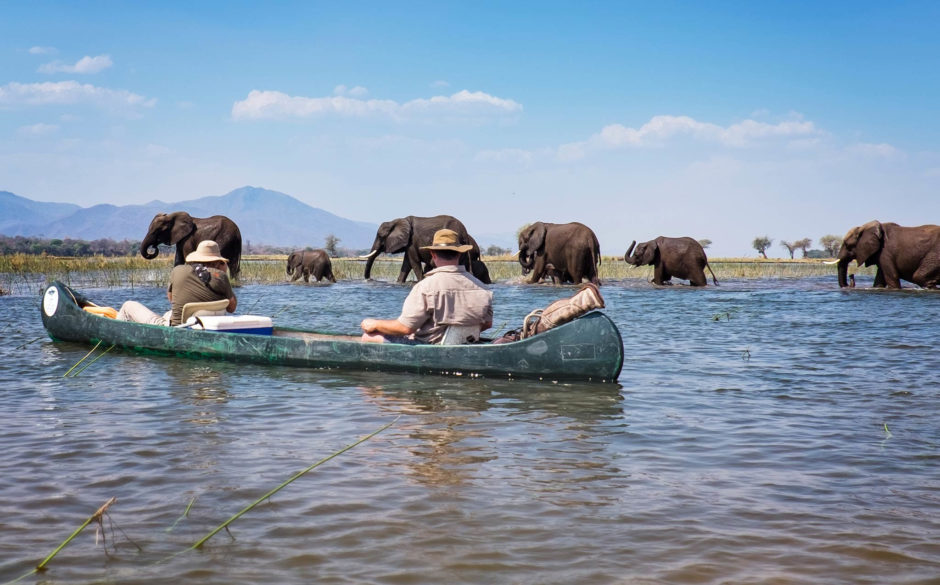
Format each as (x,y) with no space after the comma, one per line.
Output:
(588,349)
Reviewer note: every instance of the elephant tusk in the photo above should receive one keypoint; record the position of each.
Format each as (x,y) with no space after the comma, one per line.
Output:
(369,255)
(516,253)
(836,261)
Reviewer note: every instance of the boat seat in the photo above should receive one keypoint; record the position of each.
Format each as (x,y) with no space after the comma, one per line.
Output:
(204,308)
(459,334)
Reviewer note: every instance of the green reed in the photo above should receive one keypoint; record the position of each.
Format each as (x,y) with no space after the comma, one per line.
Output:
(29,273)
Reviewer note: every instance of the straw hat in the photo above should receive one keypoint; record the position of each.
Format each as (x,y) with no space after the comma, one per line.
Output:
(447,240)
(206,251)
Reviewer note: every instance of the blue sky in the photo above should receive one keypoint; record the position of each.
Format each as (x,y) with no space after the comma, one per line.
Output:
(718,120)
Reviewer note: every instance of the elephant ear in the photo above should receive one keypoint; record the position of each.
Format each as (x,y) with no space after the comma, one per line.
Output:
(400,236)
(655,253)
(537,239)
(869,243)
(290,262)
(183,226)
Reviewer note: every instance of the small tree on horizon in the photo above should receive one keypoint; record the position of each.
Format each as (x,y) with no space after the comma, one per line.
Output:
(705,243)
(831,244)
(330,243)
(761,244)
(803,245)
(790,246)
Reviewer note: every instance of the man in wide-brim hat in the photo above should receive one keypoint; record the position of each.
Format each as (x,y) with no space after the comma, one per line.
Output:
(448,301)
(203,278)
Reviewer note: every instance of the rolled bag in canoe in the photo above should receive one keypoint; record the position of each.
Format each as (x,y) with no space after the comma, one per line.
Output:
(587,349)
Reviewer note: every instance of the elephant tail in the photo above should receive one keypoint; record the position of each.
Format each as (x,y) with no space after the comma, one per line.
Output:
(715,280)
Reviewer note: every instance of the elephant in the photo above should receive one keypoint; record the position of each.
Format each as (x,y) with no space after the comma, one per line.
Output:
(186,231)
(309,263)
(568,252)
(409,234)
(900,253)
(680,257)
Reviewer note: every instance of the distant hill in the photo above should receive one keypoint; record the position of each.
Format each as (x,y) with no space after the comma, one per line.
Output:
(263,216)
(17,212)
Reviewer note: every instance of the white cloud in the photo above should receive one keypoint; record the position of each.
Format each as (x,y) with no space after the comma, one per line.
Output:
(463,100)
(357,91)
(85,65)
(38,129)
(274,104)
(439,84)
(875,150)
(68,92)
(507,155)
(42,50)
(661,129)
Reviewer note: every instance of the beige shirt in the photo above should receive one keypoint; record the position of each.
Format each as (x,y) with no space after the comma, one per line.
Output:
(447,296)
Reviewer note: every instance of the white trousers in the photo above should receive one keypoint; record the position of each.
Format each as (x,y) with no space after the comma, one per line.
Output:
(138,313)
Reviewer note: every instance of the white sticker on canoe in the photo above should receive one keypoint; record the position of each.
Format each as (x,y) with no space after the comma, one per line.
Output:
(50,301)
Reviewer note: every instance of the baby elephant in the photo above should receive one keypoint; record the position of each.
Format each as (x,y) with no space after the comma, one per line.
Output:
(680,257)
(309,263)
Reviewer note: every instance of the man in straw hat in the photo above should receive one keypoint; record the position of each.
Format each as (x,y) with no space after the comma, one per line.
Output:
(447,297)
(203,278)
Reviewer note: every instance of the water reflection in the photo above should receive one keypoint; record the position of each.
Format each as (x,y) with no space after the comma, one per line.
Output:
(451,444)
(203,388)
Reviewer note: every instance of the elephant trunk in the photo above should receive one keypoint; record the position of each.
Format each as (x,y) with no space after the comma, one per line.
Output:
(843,269)
(148,248)
(628,256)
(371,260)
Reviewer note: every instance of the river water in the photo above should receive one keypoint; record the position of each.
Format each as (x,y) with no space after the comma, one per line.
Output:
(763,431)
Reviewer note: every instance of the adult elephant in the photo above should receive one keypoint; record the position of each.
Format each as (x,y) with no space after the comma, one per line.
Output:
(900,253)
(185,232)
(568,252)
(680,257)
(307,263)
(409,234)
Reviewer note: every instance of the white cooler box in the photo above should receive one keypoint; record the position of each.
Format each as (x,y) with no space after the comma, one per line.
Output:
(236,324)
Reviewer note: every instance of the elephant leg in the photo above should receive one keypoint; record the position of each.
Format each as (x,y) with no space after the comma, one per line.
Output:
(538,271)
(879,279)
(890,277)
(658,273)
(306,276)
(405,269)
(697,278)
(295,276)
(926,276)
(416,263)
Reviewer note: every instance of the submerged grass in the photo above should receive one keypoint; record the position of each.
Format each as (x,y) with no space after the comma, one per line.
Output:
(24,273)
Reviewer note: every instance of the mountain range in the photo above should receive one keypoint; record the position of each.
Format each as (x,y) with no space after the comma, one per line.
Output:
(263,216)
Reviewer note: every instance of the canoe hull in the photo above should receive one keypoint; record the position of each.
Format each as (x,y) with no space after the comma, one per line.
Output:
(588,349)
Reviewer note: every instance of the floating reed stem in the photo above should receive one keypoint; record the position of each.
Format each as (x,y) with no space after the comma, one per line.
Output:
(22,345)
(297,475)
(185,514)
(96,516)
(85,367)
(66,374)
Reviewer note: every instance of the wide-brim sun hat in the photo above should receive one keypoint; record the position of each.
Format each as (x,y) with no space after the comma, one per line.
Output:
(206,251)
(446,239)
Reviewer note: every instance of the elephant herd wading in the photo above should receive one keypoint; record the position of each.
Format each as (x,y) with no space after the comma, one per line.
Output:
(566,253)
